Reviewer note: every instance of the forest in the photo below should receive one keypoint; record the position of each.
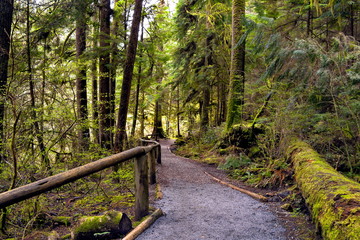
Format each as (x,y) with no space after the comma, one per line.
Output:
(232,81)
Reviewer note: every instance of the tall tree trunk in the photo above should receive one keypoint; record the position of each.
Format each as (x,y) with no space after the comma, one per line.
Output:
(158,130)
(223,109)
(38,134)
(114,63)
(136,108)
(104,86)
(205,109)
(142,115)
(237,67)
(6,12)
(81,91)
(127,77)
(308,21)
(204,123)
(178,112)
(94,76)
(352,20)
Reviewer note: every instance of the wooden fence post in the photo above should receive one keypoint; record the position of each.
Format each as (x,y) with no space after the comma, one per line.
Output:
(152,167)
(141,187)
(158,159)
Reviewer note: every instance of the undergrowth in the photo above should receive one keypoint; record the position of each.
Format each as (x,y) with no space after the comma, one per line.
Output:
(61,208)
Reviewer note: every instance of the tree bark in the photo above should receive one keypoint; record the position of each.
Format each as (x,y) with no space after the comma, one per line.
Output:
(114,64)
(104,86)
(94,76)
(127,77)
(38,133)
(237,67)
(204,123)
(136,108)
(178,112)
(308,21)
(81,91)
(158,131)
(6,12)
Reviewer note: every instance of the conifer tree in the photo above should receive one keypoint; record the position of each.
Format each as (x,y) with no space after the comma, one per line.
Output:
(81,92)
(237,67)
(121,134)
(104,82)
(6,11)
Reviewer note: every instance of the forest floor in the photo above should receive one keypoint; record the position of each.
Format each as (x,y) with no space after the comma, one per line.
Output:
(197,207)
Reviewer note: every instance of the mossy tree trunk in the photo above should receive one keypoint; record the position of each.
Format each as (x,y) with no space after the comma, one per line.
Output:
(127,77)
(333,199)
(81,91)
(237,66)
(104,82)
(6,12)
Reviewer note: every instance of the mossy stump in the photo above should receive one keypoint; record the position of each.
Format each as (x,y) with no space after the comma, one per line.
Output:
(111,225)
(333,199)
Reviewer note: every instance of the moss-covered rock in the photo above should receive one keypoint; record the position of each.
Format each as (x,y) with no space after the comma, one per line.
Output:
(62,220)
(333,199)
(111,225)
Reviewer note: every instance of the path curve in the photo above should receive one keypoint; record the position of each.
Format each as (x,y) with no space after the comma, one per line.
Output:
(196,207)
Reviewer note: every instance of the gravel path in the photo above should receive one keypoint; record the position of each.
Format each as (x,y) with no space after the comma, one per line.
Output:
(196,207)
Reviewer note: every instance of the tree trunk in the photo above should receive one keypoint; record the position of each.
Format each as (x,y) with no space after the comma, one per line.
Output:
(94,73)
(158,130)
(127,77)
(308,21)
(237,67)
(104,86)
(6,10)
(205,109)
(81,92)
(142,115)
(114,64)
(204,123)
(178,112)
(38,134)
(136,108)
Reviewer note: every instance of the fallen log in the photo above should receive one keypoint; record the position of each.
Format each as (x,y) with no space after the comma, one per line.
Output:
(144,225)
(333,199)
(251,194)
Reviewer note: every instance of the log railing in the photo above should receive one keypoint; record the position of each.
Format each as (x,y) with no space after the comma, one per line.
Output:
(144,159)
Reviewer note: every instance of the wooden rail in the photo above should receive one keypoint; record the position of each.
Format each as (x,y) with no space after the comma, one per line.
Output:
(144,159)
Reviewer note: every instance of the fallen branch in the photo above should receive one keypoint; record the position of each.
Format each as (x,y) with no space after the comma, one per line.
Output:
(144,225)
(251,194)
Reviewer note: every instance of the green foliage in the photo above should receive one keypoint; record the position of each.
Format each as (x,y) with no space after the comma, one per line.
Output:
(234,162)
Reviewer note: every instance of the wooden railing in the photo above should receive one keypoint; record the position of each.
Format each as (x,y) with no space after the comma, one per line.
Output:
(144,159)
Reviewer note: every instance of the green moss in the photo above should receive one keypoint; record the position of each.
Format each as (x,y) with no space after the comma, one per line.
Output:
(64,220)
(65,237)
(332,198)
(96,224)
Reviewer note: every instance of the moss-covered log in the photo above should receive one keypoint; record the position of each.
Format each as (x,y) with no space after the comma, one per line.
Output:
(333,199)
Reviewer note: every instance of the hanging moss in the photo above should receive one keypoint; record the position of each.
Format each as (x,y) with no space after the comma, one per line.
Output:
(333,199)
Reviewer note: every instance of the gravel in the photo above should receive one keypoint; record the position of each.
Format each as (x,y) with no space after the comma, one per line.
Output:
(196,207)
